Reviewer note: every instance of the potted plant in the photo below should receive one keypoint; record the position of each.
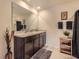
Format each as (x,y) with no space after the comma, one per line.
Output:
(8,38)
(66,33)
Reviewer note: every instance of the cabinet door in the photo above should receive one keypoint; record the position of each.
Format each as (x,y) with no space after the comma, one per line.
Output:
(42,39)
(28,48)
(36,39)
(18,48)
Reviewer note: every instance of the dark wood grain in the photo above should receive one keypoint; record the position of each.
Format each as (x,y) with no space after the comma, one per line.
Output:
(25,48)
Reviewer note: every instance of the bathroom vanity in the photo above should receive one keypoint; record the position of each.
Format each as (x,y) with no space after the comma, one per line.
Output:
(27,39)
(27,44)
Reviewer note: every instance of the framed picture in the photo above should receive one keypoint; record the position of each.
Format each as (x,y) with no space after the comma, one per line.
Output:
(60,25)
(64,15)
(69,25)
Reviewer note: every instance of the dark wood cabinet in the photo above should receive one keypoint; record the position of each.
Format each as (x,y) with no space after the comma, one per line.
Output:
(19,44)
(36,43)
(26,47)
(42,39)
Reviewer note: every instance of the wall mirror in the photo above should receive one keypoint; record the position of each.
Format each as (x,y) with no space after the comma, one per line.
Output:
(22,19)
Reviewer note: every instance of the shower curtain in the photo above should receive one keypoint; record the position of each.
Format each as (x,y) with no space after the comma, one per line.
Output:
(75,39)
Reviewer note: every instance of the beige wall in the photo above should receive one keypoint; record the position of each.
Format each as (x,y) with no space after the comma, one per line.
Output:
(5,22)
(50,17)
(47,20)
(71,7)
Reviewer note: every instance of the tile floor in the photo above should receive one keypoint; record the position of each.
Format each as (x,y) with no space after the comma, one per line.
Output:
(57,55)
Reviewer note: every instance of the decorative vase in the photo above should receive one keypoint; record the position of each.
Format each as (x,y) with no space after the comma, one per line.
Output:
(8,38)
(8,55)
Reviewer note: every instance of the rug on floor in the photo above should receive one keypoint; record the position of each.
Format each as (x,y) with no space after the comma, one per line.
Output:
(42,54)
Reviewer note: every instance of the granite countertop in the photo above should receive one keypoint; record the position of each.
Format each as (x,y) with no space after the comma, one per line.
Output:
(26,34)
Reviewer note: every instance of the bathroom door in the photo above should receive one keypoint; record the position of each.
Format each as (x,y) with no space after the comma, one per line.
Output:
(75,40)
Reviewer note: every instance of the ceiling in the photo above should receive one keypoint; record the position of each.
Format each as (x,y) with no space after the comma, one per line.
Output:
(45,3)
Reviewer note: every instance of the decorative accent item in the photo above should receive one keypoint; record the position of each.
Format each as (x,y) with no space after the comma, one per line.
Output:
(66,33)
(19,25)
(64,15)
(60,25)
(8,41)
(69,25)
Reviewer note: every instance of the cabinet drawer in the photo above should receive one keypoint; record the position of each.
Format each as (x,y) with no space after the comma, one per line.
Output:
(65,45)
(64,41)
